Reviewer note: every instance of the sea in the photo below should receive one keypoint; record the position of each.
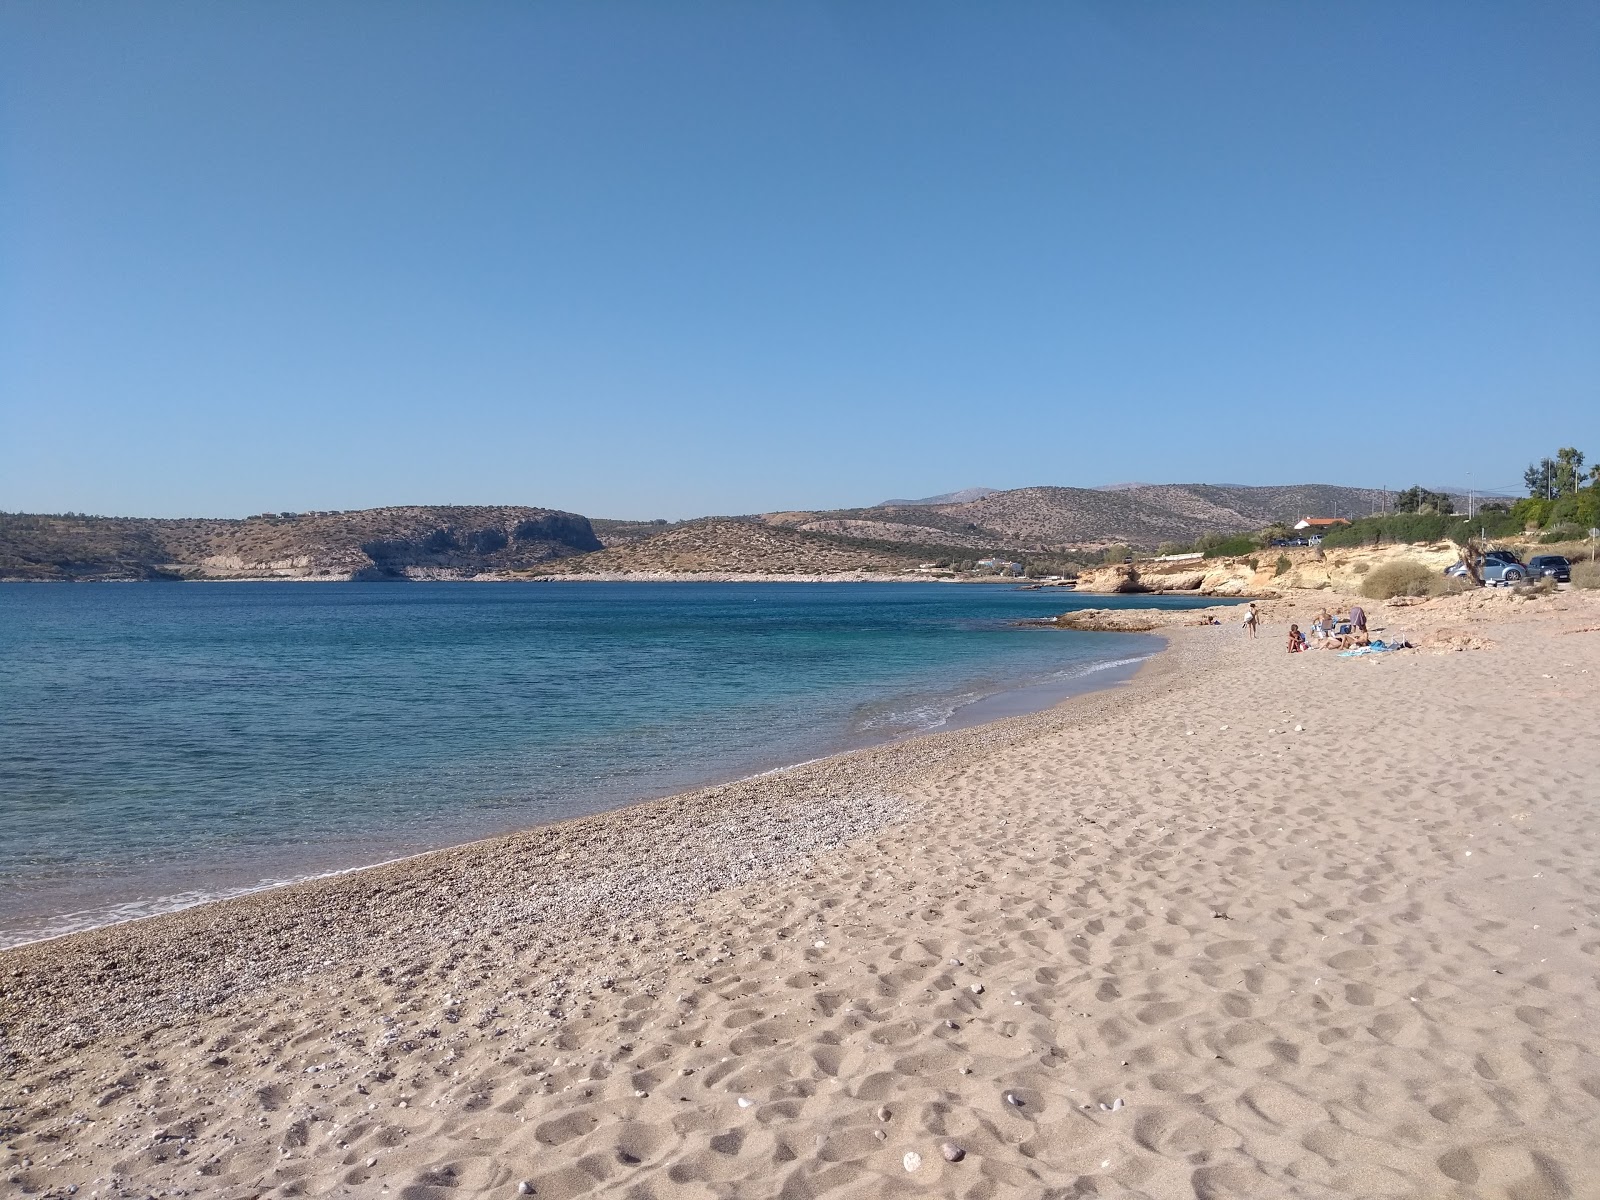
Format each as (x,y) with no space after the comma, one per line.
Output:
(162,745)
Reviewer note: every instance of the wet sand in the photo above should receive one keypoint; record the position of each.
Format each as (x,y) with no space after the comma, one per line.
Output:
(1253,925)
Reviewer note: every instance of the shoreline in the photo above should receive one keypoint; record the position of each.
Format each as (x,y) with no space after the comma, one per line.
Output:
(1235,929)
(1015,698)
(780,793)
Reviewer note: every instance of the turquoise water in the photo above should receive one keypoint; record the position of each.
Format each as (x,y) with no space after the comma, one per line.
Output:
(161,744)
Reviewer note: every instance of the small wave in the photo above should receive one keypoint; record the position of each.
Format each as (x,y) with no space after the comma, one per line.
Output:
(1091,668)
(62,924)
(804,762)
(920,718)
(934,714)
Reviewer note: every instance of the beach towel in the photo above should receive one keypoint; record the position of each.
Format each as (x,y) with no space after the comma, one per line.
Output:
(1377,647)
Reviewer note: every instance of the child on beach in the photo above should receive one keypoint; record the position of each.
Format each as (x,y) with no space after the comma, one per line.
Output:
(1297,640)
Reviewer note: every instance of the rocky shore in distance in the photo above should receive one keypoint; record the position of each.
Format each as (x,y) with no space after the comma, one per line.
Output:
(1268,572)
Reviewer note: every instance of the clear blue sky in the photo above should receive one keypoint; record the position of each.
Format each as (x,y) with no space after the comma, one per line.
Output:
(646,259)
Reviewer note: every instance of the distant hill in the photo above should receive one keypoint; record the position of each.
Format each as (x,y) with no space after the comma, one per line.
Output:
(377,543)
(961,497)
(465,542)
(1058,518)
(724,545)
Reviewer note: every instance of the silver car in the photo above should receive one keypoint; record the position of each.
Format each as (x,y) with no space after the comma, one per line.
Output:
(1499,567)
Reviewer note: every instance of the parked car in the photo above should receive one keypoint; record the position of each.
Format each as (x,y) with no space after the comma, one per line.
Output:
(1554,566)
(1499,566)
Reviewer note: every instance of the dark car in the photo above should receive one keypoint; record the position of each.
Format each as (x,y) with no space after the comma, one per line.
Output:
(1553,565)
(1499,566)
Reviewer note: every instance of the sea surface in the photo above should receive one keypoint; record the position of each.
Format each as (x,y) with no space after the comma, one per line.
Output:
(164,744)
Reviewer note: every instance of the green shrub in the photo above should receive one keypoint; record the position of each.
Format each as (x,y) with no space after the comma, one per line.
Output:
(1116,554)
(1564,532)
(1532,511)
(1421,527)
(1586,575)
(1402,577)
(1234,547)
(1282,566)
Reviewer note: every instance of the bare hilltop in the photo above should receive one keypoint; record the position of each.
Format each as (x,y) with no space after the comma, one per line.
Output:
(474,542)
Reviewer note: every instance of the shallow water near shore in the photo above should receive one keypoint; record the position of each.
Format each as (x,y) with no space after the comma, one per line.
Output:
(164,745)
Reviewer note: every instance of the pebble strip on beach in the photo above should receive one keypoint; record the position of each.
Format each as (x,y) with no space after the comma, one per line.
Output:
(525,893)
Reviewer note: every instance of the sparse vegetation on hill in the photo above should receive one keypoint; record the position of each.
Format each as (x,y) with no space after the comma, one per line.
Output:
(620,533)
(1048,530)
(1055,519)
(732,546)
(378,543)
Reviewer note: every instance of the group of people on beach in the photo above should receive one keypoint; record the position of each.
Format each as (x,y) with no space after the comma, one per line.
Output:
(1332,633)
(1328,632)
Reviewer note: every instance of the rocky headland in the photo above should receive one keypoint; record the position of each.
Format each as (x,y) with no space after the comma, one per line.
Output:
(411,542)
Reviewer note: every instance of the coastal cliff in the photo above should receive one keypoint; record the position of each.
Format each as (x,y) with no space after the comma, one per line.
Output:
(415,542)
(1265,573)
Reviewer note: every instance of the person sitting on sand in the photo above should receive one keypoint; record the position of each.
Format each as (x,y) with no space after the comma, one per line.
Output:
(1344,641)
(1297,640)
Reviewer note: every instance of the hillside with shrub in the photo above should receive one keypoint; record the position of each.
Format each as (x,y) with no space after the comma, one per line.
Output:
(1048,530)
(1059,519)
(721,545)
(377,543)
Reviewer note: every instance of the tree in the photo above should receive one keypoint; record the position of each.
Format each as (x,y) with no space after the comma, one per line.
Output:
(1418,499)
(1568,470)
(1552,478)
(1540,478)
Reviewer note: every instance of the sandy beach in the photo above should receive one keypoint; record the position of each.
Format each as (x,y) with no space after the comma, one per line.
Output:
(1252,925)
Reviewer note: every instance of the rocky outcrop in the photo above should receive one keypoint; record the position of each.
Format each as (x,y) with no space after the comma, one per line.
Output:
(461,542)
(1269,572)
(1217,577)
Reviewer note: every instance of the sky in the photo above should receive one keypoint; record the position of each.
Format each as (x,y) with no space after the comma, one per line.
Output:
(663,260)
